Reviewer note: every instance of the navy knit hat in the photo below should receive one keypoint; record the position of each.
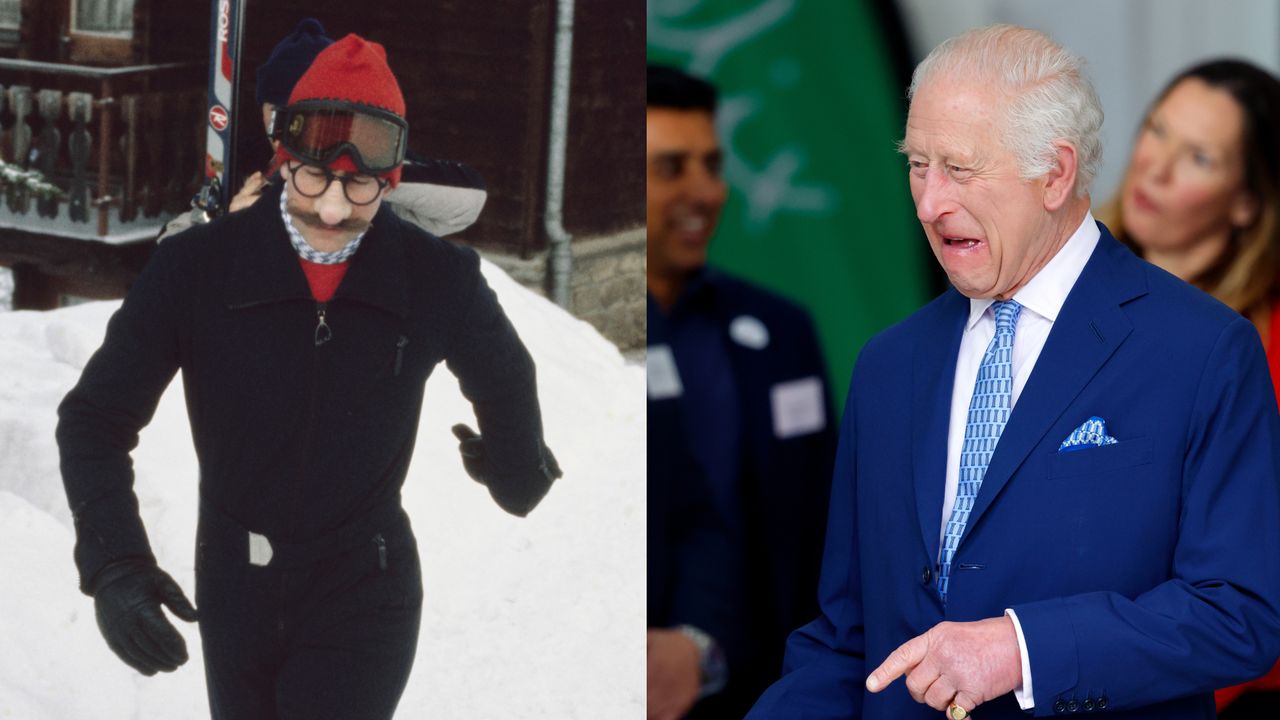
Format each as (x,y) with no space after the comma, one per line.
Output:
(289,60)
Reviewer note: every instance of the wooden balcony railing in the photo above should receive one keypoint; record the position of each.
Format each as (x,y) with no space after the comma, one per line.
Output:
(125,144)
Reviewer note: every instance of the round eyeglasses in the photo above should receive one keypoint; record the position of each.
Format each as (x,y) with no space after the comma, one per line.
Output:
(312,182)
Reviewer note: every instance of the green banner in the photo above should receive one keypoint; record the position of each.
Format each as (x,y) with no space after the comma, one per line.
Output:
(809,116)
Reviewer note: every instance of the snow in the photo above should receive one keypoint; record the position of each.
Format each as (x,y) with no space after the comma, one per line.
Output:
(539,617)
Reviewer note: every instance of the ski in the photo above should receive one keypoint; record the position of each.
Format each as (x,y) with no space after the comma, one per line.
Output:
(225,40)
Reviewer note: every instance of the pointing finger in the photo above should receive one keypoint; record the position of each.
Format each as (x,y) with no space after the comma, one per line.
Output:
(900,661)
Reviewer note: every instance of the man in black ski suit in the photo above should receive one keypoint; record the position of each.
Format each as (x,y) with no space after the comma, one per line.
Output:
(305,327)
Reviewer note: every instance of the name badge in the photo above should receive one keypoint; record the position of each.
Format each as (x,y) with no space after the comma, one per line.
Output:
(663,377)
(749,332)
(797,407)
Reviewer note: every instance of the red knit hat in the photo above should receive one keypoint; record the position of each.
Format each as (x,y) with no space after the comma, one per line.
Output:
(355,70)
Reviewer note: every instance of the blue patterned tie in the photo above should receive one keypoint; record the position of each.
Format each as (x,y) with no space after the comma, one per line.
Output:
(988,412)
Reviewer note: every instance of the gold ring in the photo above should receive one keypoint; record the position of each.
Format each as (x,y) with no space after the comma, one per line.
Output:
(955,712)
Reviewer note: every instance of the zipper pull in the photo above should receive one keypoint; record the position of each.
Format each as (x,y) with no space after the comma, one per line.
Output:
(323,333)
(400,352)
(382,550)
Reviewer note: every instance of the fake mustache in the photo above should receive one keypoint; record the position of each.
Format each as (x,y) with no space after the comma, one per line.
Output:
(313,220)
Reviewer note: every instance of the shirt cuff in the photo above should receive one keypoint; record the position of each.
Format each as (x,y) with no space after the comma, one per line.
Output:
(713,668)
(1026,699)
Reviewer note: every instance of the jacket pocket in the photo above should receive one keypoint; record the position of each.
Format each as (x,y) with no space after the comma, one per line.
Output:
(401,342)
(1123,454)
(394,583)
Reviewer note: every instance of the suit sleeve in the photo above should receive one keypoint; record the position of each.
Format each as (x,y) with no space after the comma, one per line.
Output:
(1216,621)
(99,420)
(497,376)
(824,668)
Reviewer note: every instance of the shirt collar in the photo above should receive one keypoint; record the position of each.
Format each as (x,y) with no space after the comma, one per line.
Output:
(1045,293)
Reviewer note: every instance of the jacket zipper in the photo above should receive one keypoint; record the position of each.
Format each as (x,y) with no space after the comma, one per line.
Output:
(323,333)
(400,353)
(382,550)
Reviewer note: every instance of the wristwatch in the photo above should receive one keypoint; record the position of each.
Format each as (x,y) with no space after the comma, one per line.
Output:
(711,661)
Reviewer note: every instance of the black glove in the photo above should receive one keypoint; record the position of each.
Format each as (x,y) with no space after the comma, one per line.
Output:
(127,595)
(516,495)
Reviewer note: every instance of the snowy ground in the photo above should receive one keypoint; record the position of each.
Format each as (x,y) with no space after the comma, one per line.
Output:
(534,618)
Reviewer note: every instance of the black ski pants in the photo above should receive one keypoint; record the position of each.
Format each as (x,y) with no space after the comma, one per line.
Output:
(328,638)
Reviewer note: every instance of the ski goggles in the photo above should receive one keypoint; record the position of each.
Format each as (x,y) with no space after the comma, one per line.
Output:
(318,131)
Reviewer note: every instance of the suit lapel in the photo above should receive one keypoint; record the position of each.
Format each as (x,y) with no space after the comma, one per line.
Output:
(933,370)
(1088,330)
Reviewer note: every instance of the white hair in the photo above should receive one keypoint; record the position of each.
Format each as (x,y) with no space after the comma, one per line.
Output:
(1048,96)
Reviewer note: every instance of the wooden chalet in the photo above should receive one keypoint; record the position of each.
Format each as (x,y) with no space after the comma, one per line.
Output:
(106,99)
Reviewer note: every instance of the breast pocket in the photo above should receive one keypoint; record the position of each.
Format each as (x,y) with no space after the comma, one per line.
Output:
(369,354)
(1123,454)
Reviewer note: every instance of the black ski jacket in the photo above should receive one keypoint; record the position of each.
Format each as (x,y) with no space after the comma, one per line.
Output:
(296,434)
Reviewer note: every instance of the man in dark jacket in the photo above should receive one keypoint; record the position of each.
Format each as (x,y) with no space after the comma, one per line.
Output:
(305,328)
(742,369)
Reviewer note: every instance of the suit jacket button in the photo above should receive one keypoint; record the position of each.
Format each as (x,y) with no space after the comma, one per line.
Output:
(926,575)
(1088,704)
(1102,702)
(1059,707)
(1073,706)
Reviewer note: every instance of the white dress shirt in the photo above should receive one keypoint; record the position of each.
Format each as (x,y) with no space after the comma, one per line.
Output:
(1041,299)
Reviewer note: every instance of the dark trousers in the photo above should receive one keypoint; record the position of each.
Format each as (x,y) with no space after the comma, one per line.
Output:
(334,638)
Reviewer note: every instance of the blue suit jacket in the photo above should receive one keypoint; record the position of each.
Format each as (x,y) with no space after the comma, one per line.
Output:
(1145,574)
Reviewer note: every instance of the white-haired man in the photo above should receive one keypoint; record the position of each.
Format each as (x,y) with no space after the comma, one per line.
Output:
(1056,489)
